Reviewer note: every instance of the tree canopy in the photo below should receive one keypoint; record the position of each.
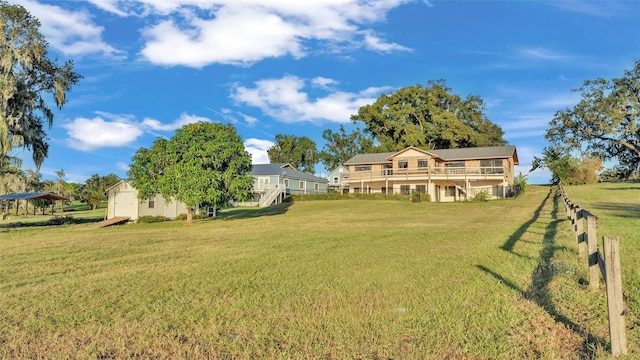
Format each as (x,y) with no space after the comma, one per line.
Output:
(94,189)
(203,163)
(606,121)
(341,146)
(430,118)
(300,152)
(26,74)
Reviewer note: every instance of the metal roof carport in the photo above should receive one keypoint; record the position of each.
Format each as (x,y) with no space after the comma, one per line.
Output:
(33,196)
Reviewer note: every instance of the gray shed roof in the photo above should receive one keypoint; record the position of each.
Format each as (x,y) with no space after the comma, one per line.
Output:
(33,196)
(489,152)
(284,170)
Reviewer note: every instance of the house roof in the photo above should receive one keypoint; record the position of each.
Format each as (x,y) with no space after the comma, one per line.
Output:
(33,196)
(489,152)
(285,170)
(369,158)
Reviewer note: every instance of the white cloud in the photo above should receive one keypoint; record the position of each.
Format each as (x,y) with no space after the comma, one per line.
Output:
(183,120)
(373,42)
(542,54)
(73,33)
(258,150)
(285,100)
(89,134)
(197,33)
(122,166)
(115,130)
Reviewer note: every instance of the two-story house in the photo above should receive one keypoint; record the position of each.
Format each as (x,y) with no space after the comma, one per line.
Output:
(445,175)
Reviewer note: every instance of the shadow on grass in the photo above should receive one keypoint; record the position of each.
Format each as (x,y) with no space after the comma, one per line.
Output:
(254,212)
(620,210)
(49,221)
(538,291)
(516,236)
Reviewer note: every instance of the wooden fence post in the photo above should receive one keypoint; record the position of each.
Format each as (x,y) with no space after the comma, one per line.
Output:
(615,303)
(578,227)
(592,244)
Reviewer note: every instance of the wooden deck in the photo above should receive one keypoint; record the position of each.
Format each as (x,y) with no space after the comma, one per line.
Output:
(112,221)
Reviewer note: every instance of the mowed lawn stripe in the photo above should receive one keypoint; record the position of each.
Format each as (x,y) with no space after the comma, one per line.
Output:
(317,279)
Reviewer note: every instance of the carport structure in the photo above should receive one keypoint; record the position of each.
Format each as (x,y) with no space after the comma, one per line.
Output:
(32,196)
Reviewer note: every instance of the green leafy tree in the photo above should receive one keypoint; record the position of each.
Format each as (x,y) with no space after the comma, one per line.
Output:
(203,163)
(94,189)
(26,75)
(300,152)
(567,169)
(430,118)
(60,183)
(34,180)
(341,146)
(606,121)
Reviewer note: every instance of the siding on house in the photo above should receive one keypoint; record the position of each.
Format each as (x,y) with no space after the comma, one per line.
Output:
(445,175)
(123,202)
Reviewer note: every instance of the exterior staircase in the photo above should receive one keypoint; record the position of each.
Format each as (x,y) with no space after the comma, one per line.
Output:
(273,195)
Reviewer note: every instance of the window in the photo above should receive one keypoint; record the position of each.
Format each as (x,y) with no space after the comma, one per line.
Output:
(335,180)
(356,190)
(450,191)
(286,183)
(421,189)
(423,163)
(493,166)
(454,167)
(454,164)
(152,203)
(383,190)
(403,164)
(387,169)
(316,186)
(404,189)
(363,168)
(301,187)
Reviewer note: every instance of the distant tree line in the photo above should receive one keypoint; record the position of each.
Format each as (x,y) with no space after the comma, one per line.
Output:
(92,192)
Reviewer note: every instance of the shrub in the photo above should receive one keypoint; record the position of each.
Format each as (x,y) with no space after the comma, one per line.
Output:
(195,216)
(147,219)
(59,220)
(415,196)
(481,196)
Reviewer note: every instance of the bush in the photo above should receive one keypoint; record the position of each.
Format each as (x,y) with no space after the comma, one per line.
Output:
(482,196)
(59,220)
(350,196)
(415,196)
(147,219)
(195,217)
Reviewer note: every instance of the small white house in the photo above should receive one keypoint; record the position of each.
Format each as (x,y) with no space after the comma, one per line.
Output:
(123,202)
(337,179)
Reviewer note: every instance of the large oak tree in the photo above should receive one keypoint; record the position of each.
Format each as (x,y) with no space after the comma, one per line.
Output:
(26,75)
(606,121)
(428,117)
(203,163)
(341,146)
(300,152)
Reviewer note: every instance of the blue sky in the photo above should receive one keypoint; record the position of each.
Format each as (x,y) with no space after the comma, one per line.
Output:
(299,67)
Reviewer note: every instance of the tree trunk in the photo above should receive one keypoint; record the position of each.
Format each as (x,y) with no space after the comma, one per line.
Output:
(189,215)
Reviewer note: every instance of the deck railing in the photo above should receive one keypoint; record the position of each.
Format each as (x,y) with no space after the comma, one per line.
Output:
(434,172)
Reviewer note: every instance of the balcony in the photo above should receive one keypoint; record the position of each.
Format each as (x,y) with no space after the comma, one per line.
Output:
(438,173)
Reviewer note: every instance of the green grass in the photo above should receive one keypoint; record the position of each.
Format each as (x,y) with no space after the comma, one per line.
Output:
(79,211)
(314,279)
(617,206)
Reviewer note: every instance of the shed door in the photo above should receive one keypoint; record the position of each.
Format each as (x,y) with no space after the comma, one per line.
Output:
(123,204)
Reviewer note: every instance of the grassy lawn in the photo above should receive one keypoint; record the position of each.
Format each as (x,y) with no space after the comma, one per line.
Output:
(315,279)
